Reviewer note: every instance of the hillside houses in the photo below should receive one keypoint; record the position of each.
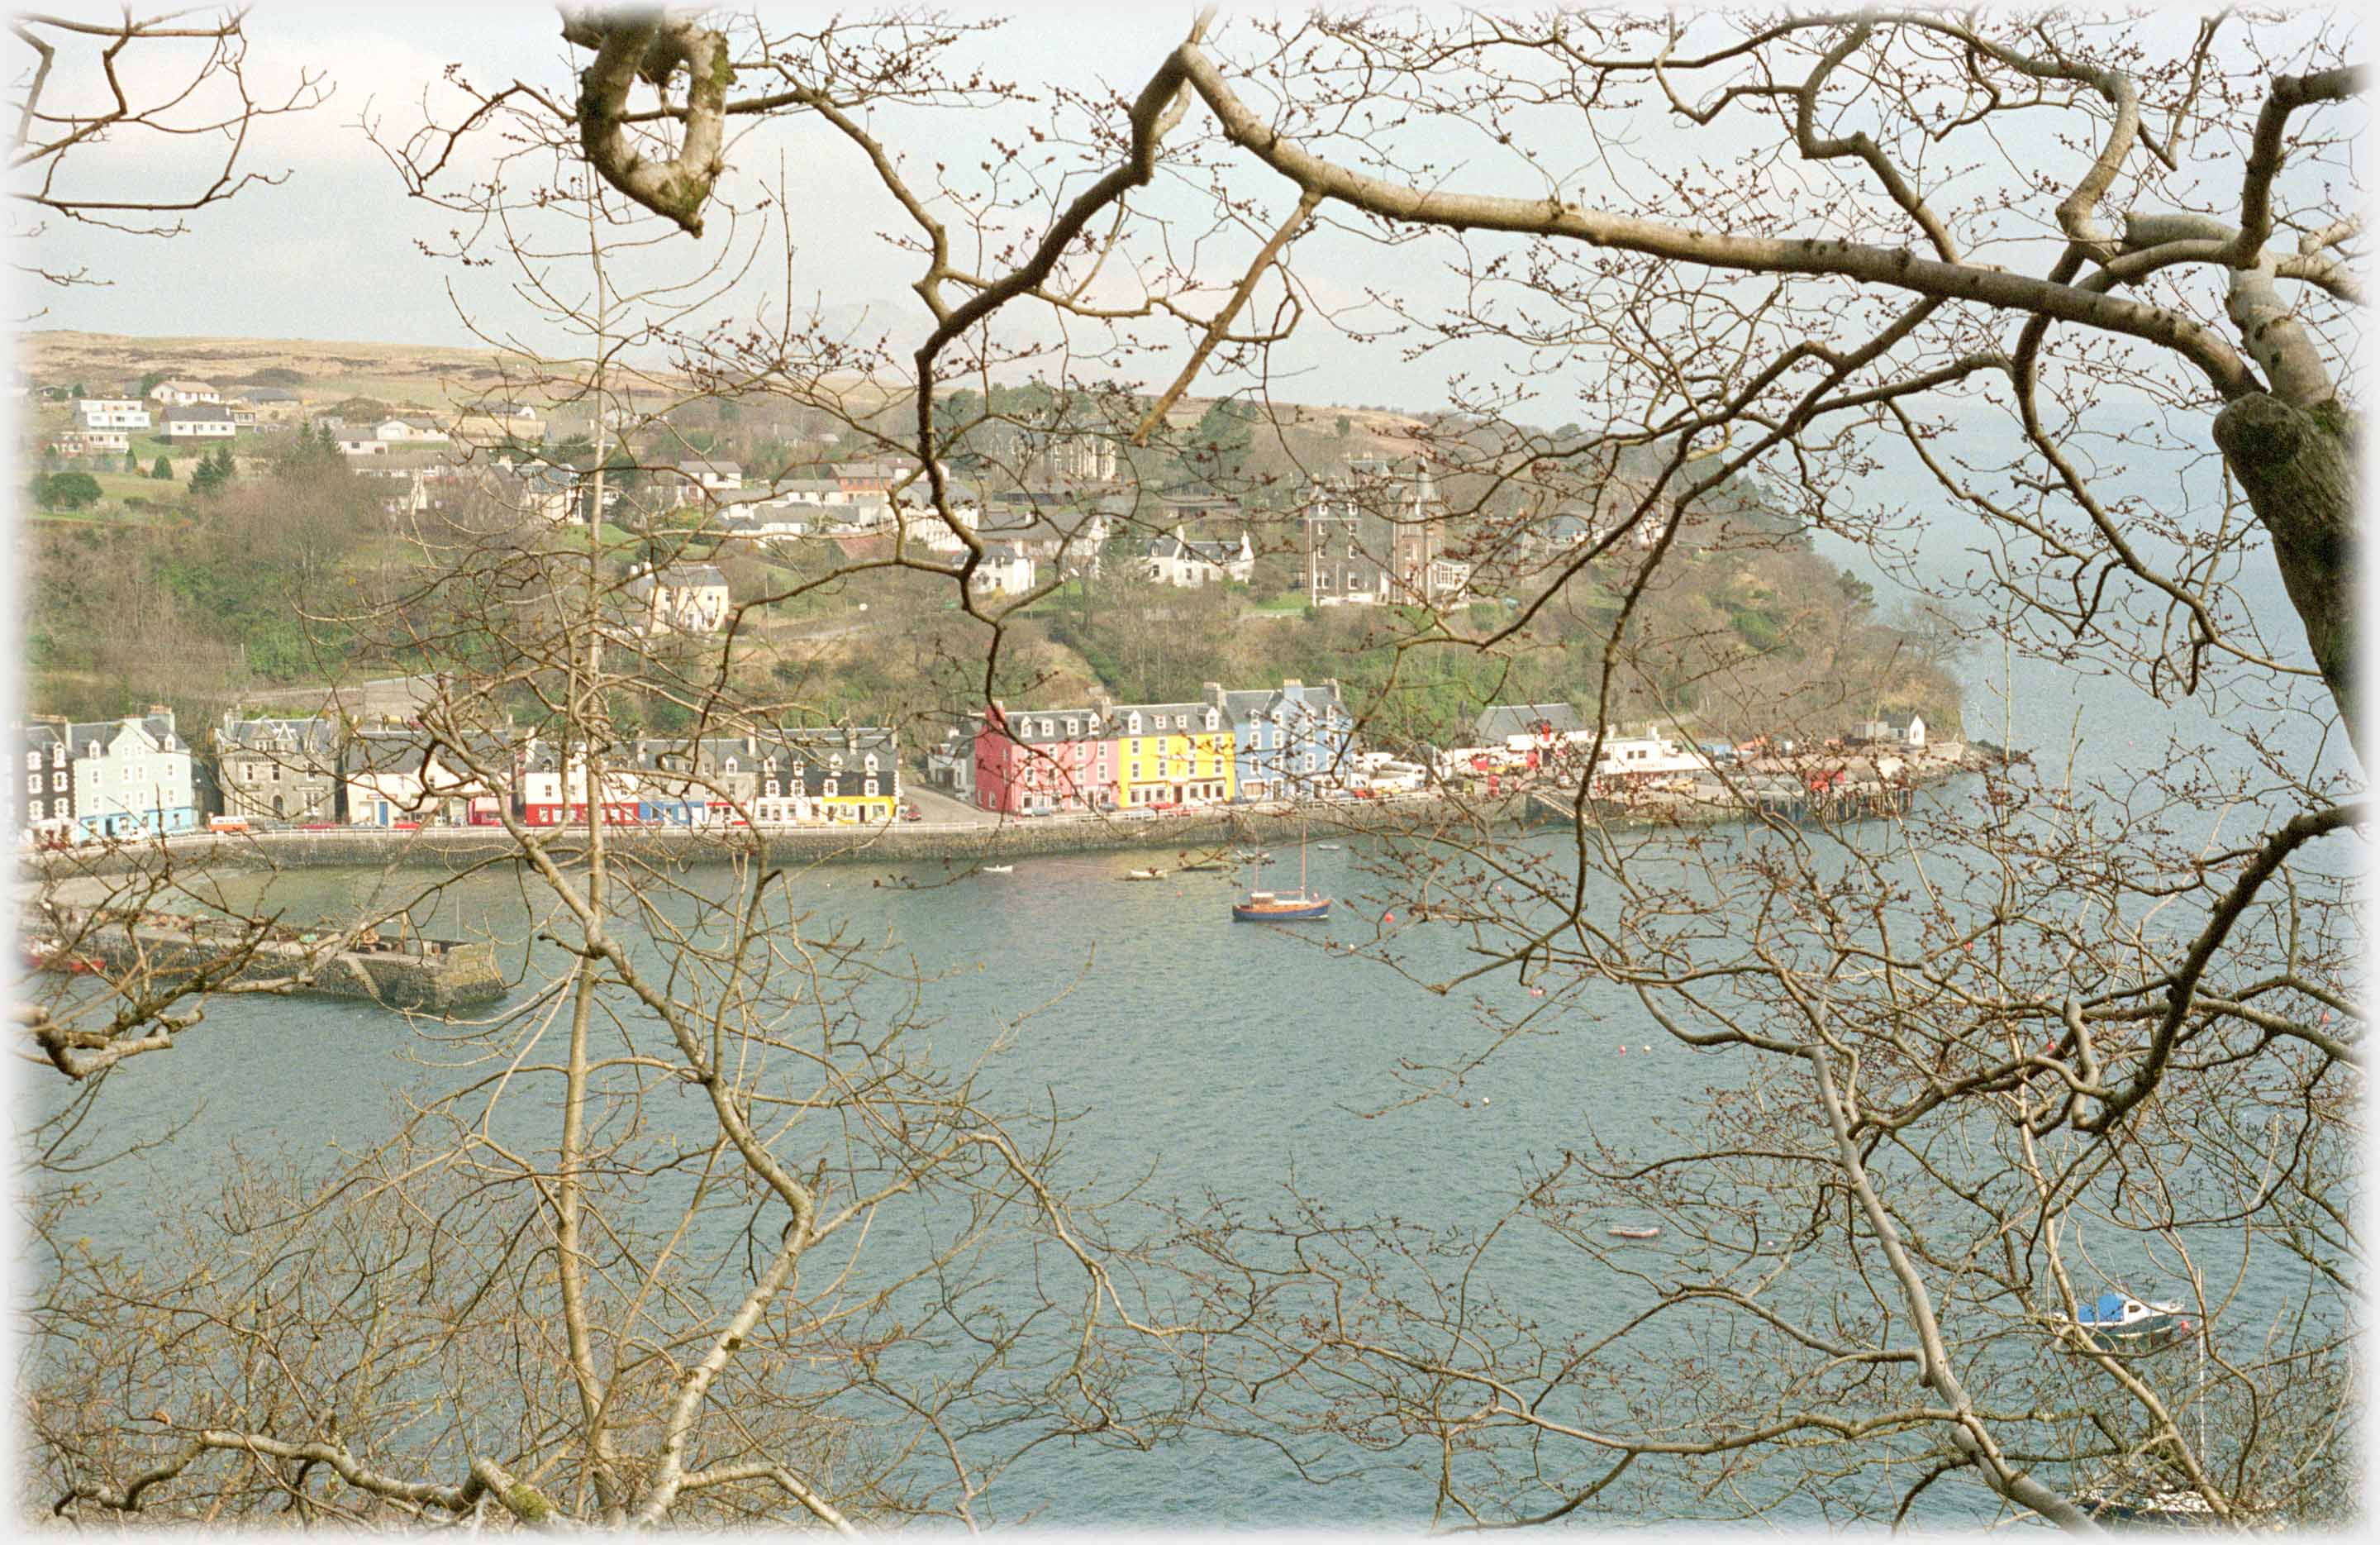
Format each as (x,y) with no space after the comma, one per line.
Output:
(111,413)
(692,482)
(683,597)
(197,421)
(1006,570)
(184,394)
(1172,560)
(1376,535)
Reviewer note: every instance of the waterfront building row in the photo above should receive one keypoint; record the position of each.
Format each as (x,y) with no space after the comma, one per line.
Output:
(1286,742)
(137,778)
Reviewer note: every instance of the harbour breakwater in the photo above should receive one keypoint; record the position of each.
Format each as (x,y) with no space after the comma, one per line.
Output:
(435,975)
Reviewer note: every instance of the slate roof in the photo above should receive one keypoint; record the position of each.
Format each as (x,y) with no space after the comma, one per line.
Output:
(317,736)
(1506,720)
(1193,712)
(1024,726)
(1221,555)
(679,576)
(197,413)
(711,469)
(105,731)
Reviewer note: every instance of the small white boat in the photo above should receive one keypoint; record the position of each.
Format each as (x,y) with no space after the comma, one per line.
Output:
(2117,1323)
(1326,847)
(997,869)
(1145,874)
(1619,1232)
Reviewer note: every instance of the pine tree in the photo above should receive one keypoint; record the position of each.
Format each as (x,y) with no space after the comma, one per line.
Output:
(161,470)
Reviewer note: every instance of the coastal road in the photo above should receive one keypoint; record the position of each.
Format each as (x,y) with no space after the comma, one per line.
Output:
(397,697)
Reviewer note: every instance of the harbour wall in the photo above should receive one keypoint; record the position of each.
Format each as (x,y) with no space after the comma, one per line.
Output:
(453,848)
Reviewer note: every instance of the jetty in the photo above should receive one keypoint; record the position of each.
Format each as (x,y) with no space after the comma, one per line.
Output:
(407,972)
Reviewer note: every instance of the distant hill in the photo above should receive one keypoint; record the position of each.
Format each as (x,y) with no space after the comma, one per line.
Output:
(394,373)
(428,375)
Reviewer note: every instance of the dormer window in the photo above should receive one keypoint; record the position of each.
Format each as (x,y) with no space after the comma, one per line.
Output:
(1074,729)
(1135,730)
(871,762)
(835,761)
(1210,718)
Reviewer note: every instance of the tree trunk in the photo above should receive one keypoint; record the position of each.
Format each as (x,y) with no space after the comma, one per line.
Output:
(2297,467)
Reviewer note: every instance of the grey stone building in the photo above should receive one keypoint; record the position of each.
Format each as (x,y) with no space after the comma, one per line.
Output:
(279,772)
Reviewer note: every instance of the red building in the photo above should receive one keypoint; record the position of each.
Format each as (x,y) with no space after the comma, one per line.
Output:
(1044,760)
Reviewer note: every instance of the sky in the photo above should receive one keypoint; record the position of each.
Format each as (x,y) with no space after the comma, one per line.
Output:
(333,251)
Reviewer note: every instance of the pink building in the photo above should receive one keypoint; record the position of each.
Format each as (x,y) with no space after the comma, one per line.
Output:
(1039,760)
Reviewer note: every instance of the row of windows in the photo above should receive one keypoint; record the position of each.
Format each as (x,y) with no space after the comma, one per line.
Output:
(831,789)
(33,781)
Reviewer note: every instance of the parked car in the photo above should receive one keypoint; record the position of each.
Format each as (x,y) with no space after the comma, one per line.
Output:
(226,823)
(911,812)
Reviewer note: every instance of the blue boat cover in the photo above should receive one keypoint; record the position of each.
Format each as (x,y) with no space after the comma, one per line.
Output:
(2108,1311)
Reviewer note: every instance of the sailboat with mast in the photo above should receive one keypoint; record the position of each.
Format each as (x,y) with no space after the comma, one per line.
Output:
(1300,905)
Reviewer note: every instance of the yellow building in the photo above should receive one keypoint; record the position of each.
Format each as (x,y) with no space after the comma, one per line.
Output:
(1173,754)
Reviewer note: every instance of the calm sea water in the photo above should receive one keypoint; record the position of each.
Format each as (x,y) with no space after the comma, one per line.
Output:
(1221,1055)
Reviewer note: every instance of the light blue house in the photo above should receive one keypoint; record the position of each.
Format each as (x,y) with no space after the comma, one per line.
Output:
(132,777)
(1291,741)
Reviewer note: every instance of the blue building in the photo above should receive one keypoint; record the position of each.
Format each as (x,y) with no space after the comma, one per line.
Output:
(132,777)
(1291,741)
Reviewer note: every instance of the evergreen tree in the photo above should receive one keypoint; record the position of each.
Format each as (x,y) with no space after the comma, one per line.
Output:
(213,473)
(132,461)
(161,470)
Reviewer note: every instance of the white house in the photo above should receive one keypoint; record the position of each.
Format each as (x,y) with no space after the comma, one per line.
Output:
(111,413)
(132,777)
(1893,729)
(399,777)
(200,422)
(353,445)
(90,442)
(1005,570)
(1173,561)
(497,423)
(414,431)
(170,393)
(687,597)
(710,477)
